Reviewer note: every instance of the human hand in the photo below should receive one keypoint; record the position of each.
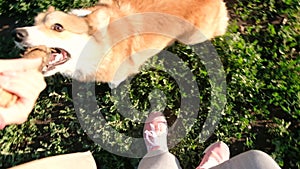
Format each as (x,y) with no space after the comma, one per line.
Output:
(21,78)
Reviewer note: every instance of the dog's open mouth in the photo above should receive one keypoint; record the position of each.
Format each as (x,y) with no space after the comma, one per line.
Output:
(57,57)
(52,56)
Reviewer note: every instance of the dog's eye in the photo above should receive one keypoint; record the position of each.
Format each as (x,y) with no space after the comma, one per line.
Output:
(57,27)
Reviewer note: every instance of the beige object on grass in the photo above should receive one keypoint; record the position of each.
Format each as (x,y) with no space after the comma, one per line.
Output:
(82,160)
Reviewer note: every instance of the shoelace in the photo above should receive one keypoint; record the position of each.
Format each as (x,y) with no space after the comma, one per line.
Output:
(156,138)
(151,137)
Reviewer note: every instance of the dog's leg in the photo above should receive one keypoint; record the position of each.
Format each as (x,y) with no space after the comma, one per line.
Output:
(80,12)
(115,84)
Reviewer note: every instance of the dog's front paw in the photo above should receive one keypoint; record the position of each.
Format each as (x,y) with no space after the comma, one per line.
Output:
(115,84)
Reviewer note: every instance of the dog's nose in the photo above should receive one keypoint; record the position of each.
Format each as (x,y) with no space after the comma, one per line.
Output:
(19,34)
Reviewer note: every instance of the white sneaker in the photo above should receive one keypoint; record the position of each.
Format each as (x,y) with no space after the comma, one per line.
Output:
(155,132)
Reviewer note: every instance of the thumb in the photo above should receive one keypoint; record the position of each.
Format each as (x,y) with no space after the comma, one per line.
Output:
(20,64)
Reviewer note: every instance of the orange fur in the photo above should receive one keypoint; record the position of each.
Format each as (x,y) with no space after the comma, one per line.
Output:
(113,56)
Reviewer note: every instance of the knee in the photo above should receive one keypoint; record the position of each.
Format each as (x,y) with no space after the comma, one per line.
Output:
(254,159)
(259,155)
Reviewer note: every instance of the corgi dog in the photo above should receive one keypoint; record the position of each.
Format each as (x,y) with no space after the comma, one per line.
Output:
(110,41)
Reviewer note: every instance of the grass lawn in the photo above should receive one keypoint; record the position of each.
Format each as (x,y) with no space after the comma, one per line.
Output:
(260,54)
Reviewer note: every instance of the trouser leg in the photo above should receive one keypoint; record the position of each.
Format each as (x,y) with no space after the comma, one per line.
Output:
(164,160)
(253,159)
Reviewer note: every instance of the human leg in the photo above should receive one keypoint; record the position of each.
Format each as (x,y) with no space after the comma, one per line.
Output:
(163,160)
(253,159)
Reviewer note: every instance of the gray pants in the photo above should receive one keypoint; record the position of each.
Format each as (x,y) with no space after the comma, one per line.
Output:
(253,159)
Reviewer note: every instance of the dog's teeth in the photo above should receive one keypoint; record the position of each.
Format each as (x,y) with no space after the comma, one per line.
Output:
(57,58)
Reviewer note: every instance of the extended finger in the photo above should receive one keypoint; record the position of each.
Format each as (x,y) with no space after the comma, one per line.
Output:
(20,64)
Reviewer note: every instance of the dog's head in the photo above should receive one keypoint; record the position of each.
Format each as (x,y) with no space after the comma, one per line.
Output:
(78,35)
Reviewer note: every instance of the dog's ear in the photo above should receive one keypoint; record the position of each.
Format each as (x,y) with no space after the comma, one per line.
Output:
(51,9)
(98,21)
(40,17)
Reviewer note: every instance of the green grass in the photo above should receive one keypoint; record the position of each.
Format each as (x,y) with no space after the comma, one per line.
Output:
(261,58)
